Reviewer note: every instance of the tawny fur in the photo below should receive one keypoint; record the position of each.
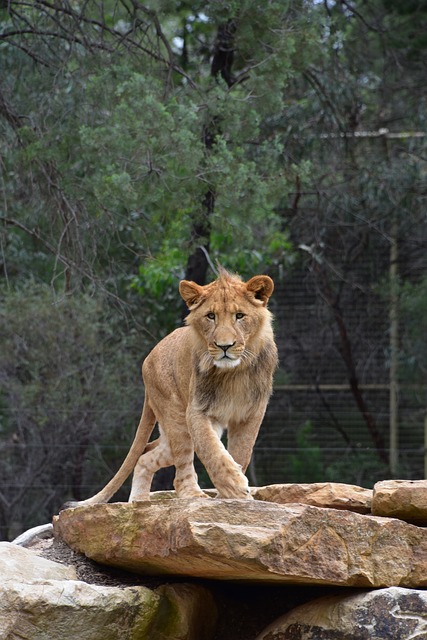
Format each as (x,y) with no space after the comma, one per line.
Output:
(214,374)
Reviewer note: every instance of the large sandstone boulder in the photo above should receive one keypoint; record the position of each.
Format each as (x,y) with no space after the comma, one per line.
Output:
(404,499)
(332,495)
(395,614)
(252,541)
(42,600)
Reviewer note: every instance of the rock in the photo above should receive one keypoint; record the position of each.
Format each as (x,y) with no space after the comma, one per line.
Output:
(170,494)
(332,495)
(404,499)
(39,601)
(251,541)
(58,609)
(20,565)
(394,613)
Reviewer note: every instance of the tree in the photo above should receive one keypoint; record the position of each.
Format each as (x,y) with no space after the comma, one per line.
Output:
(69,381)
(132,141)
(138,140)
(364,104)
(143,138)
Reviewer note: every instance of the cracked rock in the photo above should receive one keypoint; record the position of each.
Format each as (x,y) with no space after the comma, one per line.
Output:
(250,541)
(386,614)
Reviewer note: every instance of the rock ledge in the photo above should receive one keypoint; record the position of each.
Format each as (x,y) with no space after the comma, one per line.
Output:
(250,541)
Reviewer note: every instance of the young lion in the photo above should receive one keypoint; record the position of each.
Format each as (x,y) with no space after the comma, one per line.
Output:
(213,374)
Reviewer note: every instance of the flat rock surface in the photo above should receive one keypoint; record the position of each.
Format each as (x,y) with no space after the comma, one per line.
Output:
(394,614)
(404,499)
(250,541)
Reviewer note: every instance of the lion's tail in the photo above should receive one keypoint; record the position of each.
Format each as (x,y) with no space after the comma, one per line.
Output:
(143,432)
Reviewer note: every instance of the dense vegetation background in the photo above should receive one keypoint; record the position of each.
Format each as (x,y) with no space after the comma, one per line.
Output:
(142,141)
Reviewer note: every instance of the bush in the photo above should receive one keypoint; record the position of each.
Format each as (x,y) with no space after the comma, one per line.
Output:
(70,400)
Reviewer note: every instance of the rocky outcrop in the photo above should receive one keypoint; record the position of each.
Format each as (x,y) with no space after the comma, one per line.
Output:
(395,613)
(322,536)
(250,541)
(41,600)
(403,499)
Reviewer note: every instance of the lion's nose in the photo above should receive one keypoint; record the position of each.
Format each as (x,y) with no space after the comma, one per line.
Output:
(224,347)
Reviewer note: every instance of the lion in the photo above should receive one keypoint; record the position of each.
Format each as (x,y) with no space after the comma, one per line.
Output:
(213,374)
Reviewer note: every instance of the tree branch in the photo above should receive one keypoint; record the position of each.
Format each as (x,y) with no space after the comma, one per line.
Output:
(131,39)
(358,15)
(222,61)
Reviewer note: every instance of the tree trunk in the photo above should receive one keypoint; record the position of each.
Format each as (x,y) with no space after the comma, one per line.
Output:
(197,264)
(221,65)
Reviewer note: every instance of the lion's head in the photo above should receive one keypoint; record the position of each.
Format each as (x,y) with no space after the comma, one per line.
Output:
(230,318)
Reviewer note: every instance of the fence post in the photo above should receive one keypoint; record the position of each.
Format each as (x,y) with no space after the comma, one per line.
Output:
(394,350)
(425,445)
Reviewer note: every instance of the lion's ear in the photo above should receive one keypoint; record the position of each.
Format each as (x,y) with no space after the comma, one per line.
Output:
(262,287)
(190,292)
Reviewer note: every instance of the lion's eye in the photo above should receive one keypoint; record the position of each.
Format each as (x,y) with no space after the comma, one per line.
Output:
(239,316)
(211,316)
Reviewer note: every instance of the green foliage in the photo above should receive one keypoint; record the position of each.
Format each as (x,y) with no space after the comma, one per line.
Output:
(113,130)
(359,467)
(70,378)
(305,465)
(124,144)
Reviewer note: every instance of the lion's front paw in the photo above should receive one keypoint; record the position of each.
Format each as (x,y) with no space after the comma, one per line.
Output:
(237,489)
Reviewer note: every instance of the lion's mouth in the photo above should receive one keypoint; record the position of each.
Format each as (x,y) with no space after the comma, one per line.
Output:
(225,362)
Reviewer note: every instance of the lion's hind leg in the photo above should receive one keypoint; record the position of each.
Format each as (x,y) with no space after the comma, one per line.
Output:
(186,482)
(157,455)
